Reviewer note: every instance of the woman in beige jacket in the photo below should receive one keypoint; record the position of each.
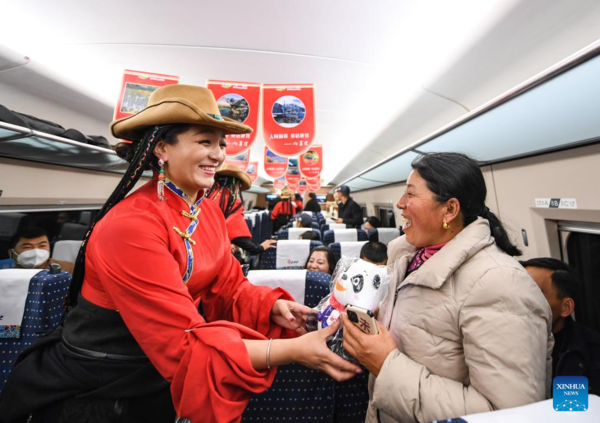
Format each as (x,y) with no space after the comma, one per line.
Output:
(463,328)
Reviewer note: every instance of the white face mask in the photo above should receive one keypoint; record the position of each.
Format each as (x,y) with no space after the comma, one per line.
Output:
(31,259)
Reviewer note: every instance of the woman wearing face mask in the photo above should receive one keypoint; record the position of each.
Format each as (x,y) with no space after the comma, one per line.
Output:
(30,249)
(133,346)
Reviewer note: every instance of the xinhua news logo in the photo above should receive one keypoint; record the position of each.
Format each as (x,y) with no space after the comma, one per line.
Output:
(570,393)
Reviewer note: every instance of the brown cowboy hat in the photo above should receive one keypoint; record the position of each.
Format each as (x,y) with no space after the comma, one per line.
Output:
(177,104)
(286,192)
(236,172)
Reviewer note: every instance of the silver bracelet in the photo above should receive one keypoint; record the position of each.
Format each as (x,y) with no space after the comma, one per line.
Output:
(269,354)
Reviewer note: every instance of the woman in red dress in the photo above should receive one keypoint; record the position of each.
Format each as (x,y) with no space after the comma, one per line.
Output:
(133,346)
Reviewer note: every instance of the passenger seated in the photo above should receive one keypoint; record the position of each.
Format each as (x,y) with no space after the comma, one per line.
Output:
(30,249)
(310,235)
(374,252)
(304,221)
(372,223)
(576,348)
(321,259)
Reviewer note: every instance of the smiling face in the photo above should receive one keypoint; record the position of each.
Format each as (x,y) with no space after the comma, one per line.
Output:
(191,163)
(423,215)
(318,262)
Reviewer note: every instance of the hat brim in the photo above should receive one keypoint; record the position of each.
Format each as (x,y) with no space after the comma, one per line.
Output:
(172,111)
(237,173)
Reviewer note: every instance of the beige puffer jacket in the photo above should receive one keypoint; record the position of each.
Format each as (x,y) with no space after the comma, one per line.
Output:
(473,332)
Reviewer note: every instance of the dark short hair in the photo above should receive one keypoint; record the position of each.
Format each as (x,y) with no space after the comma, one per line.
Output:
(564,279)
(373,251)
(331,260)
(305,220)
(27,233)
(374,221)
(310,235)
(312,195)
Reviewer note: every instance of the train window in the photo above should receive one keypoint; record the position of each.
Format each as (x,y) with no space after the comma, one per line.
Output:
(580,247)
(386,215)
(364,211)
(60,225)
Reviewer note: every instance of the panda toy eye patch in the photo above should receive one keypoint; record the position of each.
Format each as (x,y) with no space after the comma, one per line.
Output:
(357,283)
(376,281)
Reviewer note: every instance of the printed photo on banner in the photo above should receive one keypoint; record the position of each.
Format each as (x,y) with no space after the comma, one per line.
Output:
(279,183)
(302,186)
(136,89)
(311,162)
(239,101)
(275,165)
(292,175)
(241,160)
(252,171)
(288,118)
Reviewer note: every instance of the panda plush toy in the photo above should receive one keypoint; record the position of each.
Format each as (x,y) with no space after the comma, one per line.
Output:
(355,282)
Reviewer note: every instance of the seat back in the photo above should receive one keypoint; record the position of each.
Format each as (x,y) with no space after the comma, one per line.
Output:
(297,393)
(72,231)
(66,250)
(384,235)
(346,248)
(269,257)
(43,311)
(294,233)
(338,235)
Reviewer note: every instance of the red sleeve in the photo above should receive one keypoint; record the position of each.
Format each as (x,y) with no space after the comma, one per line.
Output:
(236,226)
(276,211)
(241,302)
(207,364)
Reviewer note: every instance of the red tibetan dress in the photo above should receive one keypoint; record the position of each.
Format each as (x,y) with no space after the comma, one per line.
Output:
(152,260)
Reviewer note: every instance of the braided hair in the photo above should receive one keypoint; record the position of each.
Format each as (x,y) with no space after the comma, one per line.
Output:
(227,189)
(141,157)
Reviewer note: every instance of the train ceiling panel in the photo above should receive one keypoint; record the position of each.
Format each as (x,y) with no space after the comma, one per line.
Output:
(386,73)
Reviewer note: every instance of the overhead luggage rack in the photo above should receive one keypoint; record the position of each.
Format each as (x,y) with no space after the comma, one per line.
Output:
(21,143)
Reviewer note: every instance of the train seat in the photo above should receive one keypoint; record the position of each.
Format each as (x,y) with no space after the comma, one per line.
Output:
(346,248)
(338,235)
(384,235)
(42,310)
(66,250)
(296,252)
(294,233)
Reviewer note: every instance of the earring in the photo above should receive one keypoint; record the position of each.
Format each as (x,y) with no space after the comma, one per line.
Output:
(160,187)
(445,225)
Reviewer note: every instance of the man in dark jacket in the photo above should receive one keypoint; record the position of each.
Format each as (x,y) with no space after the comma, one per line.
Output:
(350,213)
(576,348)
(312,205)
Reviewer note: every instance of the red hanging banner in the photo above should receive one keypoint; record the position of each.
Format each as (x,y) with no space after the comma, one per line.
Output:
(314,188)
(302,186)
(293,187)
(289,117)
(292,176)
(313,181)
(252,171)
(239,101)
(311,162)
(241,160)
(279,183)
(136,89)
(275,166)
